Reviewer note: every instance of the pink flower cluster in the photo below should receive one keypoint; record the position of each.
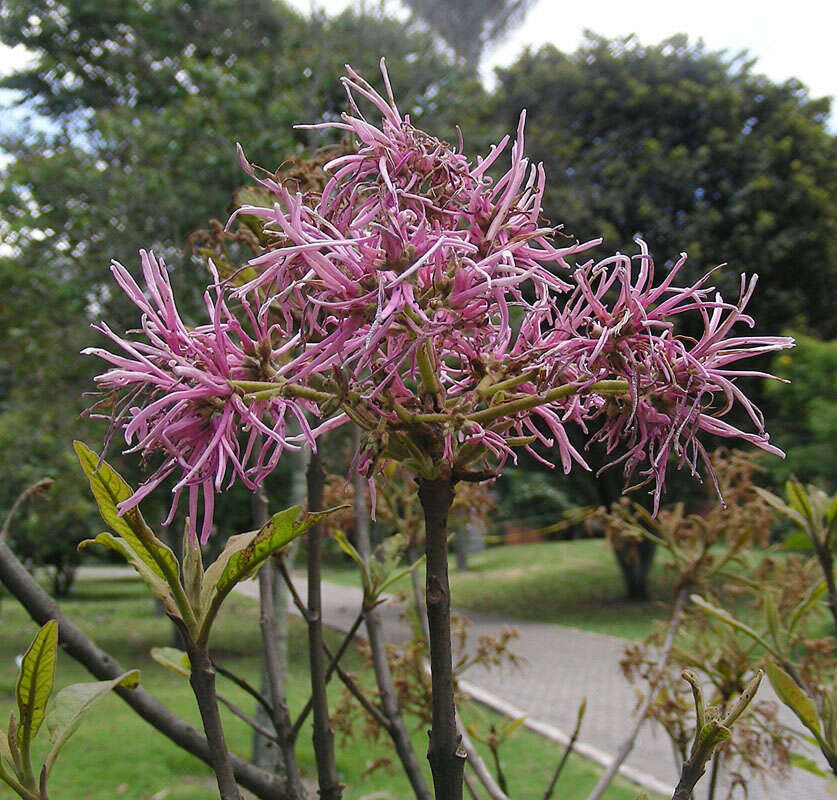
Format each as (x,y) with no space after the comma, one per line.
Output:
(177,399)
(421,299)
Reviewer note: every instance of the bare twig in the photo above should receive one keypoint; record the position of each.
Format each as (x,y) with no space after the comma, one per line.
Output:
(247,719)
(332,666)
(329,785)
(39,488)
(286,576)
(243,684)
(358,694)
(559,769)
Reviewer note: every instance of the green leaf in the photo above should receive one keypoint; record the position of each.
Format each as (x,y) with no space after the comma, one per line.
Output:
(794,698)
(152,578)
(217,567)
(697,694)
(399,574)
(246,552)
(782,507)
(5,751)
(808,764)
(708,738)
(73,703)
(12,746)
(829,718)
(349,549)
(12,761)
(34,684)
(771,618)
(173,659)
(799,499)
(512,727)
(744,699)
(730,620)
(281,529)
(812,597)
(192,571)
(110,489)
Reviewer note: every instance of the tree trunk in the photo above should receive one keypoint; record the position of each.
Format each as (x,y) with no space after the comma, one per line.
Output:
(635,559)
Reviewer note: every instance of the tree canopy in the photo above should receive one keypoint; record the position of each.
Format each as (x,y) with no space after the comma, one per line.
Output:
(696,151)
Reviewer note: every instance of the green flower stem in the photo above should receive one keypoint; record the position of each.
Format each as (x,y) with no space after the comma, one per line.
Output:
(533,400)
(409,418)
(427,368)
(264,390)
(509,383)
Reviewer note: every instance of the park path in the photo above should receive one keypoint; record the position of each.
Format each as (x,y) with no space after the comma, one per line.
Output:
(561,667)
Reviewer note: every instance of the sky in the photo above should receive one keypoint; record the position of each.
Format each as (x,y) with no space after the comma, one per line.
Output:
(798,41)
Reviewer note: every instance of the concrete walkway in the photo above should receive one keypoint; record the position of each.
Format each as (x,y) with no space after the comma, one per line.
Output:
(562,667)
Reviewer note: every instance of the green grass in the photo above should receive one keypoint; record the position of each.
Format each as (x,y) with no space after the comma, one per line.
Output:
(116,755)
(575,583)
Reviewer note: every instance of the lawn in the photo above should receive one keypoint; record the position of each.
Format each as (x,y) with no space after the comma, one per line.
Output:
(575,583)
(116,755)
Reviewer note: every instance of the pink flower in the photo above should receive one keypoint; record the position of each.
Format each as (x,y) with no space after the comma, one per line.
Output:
(413,253)
(177,398)
(679,387)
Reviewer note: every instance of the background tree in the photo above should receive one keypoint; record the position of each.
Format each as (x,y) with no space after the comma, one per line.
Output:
(695,150)
(808,408)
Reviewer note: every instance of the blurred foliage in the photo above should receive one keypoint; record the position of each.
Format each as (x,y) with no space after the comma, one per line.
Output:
(469,26)
(806,411)
(46,531)
(689,533)
(531,499)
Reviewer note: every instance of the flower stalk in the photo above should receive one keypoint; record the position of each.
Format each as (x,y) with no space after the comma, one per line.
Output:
(445,753)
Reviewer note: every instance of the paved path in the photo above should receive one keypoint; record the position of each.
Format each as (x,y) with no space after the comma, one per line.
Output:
(562,666)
